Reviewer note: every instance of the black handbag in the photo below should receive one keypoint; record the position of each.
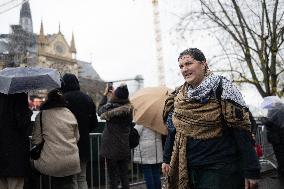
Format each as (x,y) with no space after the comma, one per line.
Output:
(134,137)
(36,149)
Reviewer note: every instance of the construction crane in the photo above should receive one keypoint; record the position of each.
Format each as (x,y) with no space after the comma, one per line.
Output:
(158,40)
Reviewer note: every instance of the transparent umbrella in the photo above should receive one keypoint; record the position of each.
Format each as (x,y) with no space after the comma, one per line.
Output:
(24,79)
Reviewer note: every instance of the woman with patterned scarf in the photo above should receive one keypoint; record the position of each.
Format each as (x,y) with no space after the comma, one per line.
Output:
(209,144)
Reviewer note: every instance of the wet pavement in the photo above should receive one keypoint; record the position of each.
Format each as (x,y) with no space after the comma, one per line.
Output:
(270,180)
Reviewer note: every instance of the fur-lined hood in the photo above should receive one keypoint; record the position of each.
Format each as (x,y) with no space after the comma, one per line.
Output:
(117,110)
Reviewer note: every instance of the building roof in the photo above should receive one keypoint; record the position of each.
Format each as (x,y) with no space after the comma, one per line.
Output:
(87,71)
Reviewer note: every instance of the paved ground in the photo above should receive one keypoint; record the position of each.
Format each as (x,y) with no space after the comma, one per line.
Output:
(269,180)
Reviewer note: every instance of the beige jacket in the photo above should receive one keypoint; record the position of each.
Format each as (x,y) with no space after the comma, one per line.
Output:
(60,154)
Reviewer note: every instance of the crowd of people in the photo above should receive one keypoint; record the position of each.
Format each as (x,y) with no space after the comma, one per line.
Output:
(209,142)
(63,125)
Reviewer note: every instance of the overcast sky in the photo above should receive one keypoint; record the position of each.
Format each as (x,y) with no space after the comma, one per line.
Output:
(117,36)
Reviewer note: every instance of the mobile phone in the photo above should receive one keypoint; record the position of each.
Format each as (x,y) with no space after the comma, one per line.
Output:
(110,86)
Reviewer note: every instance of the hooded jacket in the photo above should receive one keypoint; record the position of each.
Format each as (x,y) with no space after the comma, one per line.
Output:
(84,109)
(115,139)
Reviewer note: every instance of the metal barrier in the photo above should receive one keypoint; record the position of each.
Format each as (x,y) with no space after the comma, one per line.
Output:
(97,176)
(100,173)
(268,154)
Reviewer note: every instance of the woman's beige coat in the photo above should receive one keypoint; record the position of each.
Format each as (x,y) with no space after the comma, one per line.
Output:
(60,154)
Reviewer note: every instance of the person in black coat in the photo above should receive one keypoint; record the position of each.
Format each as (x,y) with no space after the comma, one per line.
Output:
(274,123)
(15,119)
(115,140)
(84,109)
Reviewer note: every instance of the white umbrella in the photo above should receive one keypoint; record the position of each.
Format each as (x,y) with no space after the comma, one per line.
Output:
(23,79)
(270,101)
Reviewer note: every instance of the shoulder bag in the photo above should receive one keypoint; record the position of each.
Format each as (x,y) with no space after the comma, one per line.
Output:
(134,137)
(36,149)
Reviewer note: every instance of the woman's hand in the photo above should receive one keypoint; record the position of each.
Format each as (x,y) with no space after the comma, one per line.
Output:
(251,183)
(165,168)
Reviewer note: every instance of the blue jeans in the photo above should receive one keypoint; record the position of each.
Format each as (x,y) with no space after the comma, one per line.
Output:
(152,175)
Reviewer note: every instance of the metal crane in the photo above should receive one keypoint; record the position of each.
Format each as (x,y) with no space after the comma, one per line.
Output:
(158,39)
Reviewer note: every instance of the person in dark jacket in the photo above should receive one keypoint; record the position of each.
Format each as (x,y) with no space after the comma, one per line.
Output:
(209,143)
(274,123)
(115,140)
(84,109)
(15,118)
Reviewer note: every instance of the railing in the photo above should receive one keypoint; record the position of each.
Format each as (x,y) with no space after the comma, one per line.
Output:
(100,174)
(97,177)
(267,159)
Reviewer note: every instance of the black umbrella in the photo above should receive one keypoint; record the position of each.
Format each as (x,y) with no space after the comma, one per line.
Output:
(23,79)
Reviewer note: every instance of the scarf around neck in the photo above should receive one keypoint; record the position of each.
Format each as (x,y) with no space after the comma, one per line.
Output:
(208,87)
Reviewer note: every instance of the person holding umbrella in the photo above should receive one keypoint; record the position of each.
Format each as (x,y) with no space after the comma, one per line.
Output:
(15,119)
(115,140)
(274,122)
(212,145)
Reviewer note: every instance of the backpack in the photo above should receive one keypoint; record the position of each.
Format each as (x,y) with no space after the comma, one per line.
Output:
(134,137)
(218,94)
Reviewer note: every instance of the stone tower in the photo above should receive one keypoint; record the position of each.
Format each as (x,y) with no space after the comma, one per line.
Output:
(26,17)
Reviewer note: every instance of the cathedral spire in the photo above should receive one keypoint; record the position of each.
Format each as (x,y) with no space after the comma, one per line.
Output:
(41,38)
(41,32)
(26,17)
(59,28)
(72,45)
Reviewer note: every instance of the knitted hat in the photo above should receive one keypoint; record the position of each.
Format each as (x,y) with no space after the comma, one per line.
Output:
(121,92)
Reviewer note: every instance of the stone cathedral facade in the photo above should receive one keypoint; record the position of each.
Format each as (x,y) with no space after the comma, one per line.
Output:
(23,47)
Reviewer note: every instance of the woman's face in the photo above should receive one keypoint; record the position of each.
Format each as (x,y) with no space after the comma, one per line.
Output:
(193,71)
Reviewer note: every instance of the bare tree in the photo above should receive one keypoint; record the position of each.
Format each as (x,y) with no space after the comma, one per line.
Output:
(250,34)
